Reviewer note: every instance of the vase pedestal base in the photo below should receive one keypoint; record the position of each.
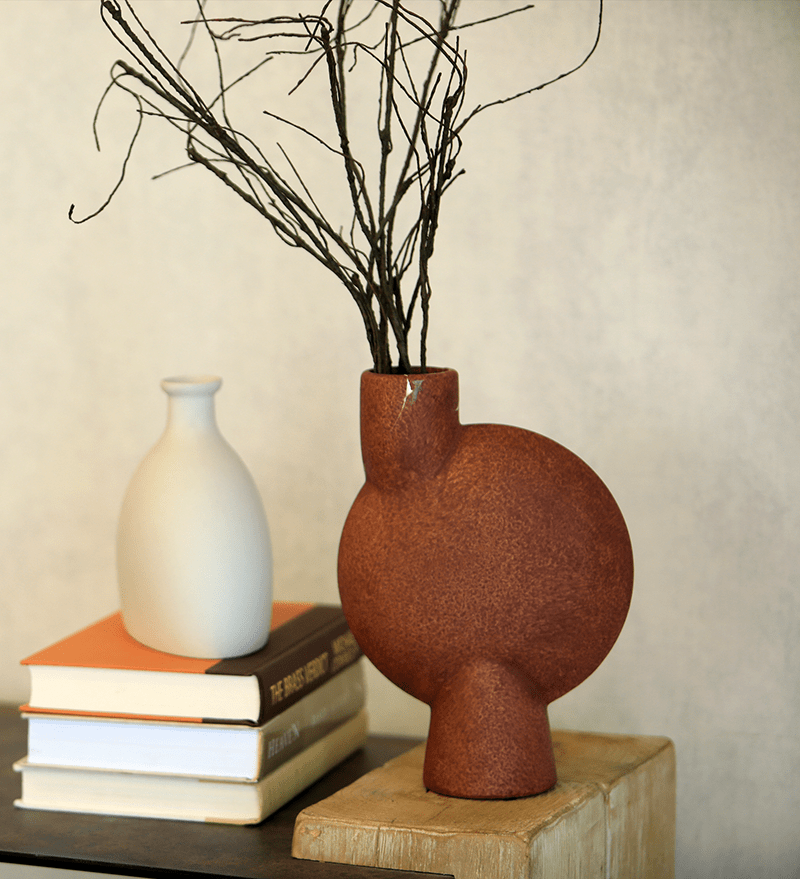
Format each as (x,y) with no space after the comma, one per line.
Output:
(611,814)
(489,737)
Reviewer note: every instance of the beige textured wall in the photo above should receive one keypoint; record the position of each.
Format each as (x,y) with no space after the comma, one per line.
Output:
(618,270)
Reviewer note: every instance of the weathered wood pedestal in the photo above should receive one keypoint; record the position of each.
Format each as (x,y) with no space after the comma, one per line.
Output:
(612,814)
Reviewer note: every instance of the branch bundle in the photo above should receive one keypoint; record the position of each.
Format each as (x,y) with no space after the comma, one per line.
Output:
(418,72)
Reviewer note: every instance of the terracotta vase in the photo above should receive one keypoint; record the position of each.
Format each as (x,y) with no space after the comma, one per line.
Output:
(485,570)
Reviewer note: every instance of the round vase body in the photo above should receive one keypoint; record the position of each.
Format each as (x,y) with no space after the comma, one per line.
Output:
(194,559)
(485,570)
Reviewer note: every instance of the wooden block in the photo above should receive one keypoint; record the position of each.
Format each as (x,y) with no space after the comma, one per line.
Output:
(636,775)
(612,814)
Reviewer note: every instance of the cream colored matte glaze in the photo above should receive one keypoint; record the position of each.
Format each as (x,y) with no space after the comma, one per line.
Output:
(194,559)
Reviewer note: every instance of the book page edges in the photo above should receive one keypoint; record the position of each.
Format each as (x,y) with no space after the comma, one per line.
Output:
(156,694)
(272,792)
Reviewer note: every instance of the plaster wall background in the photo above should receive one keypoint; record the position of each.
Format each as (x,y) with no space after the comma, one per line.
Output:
(617,270)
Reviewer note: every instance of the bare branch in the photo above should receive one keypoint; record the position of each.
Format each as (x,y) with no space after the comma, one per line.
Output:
(529,91)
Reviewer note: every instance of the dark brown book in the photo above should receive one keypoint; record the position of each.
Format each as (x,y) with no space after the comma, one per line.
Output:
(102,670)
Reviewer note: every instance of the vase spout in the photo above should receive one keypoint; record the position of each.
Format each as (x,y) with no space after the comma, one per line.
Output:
(191,402)
(409,425)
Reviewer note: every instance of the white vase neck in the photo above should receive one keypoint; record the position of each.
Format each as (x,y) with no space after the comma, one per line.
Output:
(191,402)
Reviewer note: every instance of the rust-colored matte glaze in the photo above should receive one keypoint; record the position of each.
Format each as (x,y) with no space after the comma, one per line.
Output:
(484,569)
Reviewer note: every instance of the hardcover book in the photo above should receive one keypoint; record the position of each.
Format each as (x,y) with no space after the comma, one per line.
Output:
(186,798)
(102,670)
(202,749)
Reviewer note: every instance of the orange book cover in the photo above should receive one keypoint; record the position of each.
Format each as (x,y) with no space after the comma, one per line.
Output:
(107,644)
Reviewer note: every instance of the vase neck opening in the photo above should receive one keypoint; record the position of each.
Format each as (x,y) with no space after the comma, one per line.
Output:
(191,401)
(409,425)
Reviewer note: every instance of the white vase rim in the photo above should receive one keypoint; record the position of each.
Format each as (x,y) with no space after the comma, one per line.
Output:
(191,385)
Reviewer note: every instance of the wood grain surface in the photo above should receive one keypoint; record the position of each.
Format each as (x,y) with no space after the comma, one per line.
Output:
(612,814)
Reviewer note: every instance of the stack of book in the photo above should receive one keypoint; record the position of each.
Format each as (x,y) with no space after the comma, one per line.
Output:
(117,728)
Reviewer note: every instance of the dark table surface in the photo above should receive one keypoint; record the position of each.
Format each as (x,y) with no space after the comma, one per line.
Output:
(149,847)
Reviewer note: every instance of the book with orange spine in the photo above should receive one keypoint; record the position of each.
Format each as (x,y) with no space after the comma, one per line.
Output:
(102,670)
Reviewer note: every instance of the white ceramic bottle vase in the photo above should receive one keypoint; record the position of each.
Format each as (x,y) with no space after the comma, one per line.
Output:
(194,559)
